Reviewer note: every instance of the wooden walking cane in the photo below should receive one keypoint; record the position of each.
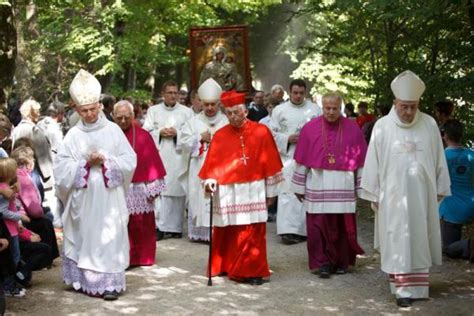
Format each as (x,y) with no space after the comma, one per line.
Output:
(209,268)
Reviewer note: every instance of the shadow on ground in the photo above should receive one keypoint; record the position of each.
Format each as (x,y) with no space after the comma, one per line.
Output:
(177,285)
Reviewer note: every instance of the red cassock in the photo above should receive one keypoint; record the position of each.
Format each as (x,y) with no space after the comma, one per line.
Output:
(240,250)
(141,227)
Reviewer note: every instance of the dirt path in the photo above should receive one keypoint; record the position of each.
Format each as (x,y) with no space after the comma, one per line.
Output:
(177,285)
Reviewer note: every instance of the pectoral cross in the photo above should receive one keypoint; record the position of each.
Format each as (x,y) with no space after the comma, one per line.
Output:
(331,159)
(244,157)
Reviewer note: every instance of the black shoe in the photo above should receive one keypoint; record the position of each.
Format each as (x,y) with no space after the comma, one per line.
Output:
(159,235)
(299,238)
(325,272)
(404,302)
(110,295)
(255,281)
(340,270)
(23,278)
(288,239)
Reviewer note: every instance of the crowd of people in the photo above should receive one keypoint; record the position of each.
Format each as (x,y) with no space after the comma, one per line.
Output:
(118,176)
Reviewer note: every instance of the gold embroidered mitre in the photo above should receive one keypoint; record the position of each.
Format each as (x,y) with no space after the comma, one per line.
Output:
(85,88)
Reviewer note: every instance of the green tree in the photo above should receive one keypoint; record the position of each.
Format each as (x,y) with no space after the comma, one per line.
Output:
(360,46)
(129,45)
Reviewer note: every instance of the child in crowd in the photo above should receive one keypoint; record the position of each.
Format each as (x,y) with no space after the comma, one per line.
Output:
(11,217)
(35,174)
(31,200)
(6,262)
(457,209)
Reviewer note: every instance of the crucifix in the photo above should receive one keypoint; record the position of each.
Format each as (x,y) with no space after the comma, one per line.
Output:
(244,157)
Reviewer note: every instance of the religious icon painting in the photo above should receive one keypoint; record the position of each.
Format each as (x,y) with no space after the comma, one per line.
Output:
(220,53)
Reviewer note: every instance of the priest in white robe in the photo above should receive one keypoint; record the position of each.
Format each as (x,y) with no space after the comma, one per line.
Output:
(287,121)
(164,121)
(405,176)
(93,169)
(196,136)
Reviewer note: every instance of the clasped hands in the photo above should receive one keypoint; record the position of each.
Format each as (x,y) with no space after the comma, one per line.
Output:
(169,132)
(96,159)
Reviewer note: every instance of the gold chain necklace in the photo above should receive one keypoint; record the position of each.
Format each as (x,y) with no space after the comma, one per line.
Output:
(331,156)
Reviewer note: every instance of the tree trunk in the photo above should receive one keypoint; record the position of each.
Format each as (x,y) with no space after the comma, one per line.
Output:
(179,75)
(23,13)
(130,78)
(470,7)
(7,53)
(162,74)
(106,82)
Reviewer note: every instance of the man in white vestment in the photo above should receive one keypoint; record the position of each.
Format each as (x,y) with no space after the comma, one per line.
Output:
(197,134)
(93,169)
(405,176)
(164,122)
(287,121)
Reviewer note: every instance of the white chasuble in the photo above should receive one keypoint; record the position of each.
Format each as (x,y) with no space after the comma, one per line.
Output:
(95,214)
(405,170)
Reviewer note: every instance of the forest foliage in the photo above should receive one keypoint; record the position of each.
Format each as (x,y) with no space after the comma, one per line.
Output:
(354,46)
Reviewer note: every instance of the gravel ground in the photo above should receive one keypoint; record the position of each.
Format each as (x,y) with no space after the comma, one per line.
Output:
(177,285)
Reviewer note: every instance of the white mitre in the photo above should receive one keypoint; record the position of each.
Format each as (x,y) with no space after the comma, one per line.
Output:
(85,88)
(407,86)
(210,91)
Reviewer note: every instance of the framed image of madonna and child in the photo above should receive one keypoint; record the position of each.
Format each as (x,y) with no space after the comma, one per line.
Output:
(220,53)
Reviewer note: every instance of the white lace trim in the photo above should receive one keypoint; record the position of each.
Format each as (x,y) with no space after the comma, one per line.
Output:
(92,282)
(197,233)
(153,189)
(80,181)
(273,180)
(140,196)
(112,173)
